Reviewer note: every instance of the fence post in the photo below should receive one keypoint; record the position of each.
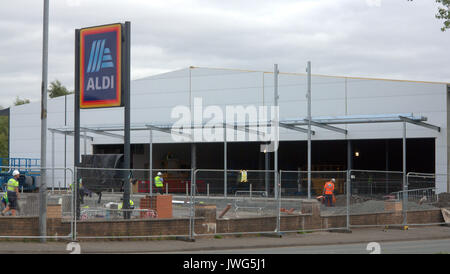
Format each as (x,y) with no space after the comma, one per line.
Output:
(167,188)
(75,211)
(207,190)
(278,200)
(405,202)
(250,190)
(192,207)
(348,198)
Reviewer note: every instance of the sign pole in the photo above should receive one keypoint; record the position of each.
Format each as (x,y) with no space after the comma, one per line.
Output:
(126,55)
(76,154)
(43,185)
(102,79)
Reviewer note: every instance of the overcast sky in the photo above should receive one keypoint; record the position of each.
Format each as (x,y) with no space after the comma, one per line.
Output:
(373,38)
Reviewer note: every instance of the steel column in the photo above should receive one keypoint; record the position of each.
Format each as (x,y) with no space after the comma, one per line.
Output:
(348,185)
(127,147)
(275,160)
(387,165)
(76,142)
(225,161)
(308,69)
(53,161)
(85,142)
(405,185)
(151,163)
(267,167)
(193,165)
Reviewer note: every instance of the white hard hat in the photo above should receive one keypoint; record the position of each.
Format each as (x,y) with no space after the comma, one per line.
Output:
(333,180)
(15,172)
(159,173)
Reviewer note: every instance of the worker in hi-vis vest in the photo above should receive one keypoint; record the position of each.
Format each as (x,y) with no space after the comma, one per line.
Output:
(121,205)
(12,189)
(243,176)
(5,200)
(328,192)
(159,183)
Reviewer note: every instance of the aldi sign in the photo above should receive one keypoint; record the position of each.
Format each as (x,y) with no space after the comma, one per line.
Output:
(100,64)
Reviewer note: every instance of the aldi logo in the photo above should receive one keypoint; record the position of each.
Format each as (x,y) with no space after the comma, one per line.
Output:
(100,66)
(104,59)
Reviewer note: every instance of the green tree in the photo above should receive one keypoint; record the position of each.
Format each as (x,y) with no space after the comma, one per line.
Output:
(56,89)
(19,101)
(4,136)
(443,13)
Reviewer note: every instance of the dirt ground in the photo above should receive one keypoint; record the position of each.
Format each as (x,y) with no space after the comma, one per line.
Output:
(443,200)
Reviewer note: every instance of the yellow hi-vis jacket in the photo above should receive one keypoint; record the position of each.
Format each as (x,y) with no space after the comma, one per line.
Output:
(131,205)
(12,184)
(158,181)
(243,176)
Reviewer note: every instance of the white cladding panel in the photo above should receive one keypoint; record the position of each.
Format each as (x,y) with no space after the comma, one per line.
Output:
(154,98)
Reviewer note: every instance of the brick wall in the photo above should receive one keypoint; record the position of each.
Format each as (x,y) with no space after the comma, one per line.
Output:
(29,226)
(54,211)
(162,204)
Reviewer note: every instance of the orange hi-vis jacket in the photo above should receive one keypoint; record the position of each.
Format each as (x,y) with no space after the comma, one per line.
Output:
(329,188)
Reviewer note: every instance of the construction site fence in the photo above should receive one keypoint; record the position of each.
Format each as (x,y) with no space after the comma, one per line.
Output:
(32,189)
(394,198)
(263,200)
(237,195)
(102,191)
(298,197)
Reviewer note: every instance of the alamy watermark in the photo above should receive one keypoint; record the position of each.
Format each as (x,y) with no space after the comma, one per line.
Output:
(234,122)
(373,3)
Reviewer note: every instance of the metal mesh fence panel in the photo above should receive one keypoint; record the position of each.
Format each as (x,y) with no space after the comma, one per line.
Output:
(214,182)
(384,200)
(248,206)
(21,211)
(101,195)
(321,212)
(373,201)
(423,206)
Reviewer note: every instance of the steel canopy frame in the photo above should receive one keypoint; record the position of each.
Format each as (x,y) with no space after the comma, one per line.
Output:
(326,126)
(291,124)
(102,132)
(292,127)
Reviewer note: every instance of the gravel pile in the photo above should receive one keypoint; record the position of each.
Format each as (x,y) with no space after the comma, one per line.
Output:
(369,206)
(444,200)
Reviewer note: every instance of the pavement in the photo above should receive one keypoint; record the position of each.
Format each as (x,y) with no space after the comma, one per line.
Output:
(360,235)
(441,246)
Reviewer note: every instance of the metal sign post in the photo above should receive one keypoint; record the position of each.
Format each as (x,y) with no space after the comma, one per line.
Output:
(43,186)
(126,97)
(102,79)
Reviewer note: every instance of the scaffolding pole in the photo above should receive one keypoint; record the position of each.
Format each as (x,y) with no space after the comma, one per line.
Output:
(275,160)
(308,95)
(225,160)
(405,185)
(150,165)
(53,161)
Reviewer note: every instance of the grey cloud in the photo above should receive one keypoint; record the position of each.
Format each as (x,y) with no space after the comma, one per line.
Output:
(347,37)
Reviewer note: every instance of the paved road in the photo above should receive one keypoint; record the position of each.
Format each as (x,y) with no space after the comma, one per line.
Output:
(409,247)
(416,240)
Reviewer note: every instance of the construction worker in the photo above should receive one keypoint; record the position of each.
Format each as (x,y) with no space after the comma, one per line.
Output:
(159,183)
(81,190)
(5,200)
(12,190)
(328,192)
(243,176)
(131,205)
